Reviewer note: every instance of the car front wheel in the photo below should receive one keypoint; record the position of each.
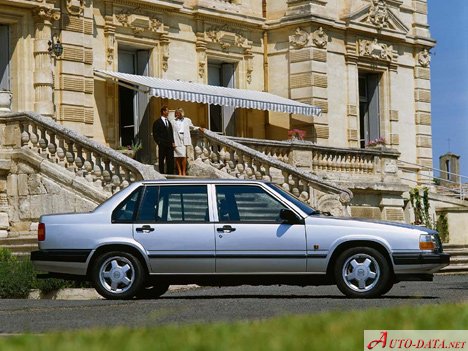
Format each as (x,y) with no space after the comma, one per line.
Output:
(362,272)
(117,275)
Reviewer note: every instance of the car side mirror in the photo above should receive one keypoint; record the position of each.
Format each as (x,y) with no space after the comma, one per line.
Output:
(289,216)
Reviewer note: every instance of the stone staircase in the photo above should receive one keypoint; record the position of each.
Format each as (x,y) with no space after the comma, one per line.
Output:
(20,245)
(458,259)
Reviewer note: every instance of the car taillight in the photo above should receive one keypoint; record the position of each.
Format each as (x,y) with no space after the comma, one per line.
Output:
(41,232)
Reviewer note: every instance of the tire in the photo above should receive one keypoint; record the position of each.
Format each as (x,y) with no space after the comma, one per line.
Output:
(117,275)
(363,272)
(153,291)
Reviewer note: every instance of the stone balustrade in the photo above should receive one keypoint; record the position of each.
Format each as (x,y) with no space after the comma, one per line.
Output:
(101,166)
(328,160)
(241,161)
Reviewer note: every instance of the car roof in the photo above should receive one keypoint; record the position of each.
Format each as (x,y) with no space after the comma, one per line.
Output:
(201,181)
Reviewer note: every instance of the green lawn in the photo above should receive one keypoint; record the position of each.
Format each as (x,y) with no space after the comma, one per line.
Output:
(327,331)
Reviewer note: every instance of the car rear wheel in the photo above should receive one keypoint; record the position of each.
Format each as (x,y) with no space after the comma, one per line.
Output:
(117,275)
(362,272)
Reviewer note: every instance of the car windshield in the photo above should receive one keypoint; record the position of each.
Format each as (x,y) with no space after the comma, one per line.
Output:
(307,209)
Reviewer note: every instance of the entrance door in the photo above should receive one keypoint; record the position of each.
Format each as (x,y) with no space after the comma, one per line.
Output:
(250,235)
(132,104)
(222,118)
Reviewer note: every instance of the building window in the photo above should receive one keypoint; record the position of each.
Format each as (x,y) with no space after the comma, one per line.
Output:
(4,58)
(369,108)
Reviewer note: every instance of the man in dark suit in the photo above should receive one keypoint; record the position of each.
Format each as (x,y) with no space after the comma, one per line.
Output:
(164,137)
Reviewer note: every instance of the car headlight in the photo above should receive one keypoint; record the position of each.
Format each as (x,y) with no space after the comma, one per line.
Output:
(427,242)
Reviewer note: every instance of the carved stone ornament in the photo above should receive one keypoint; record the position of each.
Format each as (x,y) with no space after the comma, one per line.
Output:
(109,34)
(331,203)
(249,66)
(110,55)
(299,39)
(424,58)
(139,22)
(378,13)
(375,50)
(165,53)
(75,7)
(201,62)
(47,14)
(320,38)
(227,37)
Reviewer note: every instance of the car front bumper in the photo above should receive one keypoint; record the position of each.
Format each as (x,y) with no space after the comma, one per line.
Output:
(419,262)
(421,258)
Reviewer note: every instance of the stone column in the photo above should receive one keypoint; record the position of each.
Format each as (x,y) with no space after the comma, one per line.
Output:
(43,77)
(308,81)
(200,47)
(422,95)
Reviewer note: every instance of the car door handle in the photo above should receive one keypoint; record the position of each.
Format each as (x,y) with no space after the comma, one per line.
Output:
(226,229)
(145,229)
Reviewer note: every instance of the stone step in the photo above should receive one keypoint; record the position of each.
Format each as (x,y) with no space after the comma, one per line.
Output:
(18,241)
(455,246)
(458,259)
(20,245)
(455,268)
(456,253)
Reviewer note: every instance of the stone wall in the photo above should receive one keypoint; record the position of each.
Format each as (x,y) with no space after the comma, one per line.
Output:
(27,192)
(31,194)
(457,218)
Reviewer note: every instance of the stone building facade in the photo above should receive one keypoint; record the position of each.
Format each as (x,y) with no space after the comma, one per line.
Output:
(365,63)
(347,57)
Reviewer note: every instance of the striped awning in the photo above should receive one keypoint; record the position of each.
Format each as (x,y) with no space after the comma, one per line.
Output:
(209,94)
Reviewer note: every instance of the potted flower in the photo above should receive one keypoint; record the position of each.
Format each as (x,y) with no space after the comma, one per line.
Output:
(131,150)
(5,100)
(377,143)
(296,134)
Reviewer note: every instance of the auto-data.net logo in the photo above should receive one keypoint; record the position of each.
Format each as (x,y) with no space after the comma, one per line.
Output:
(416,340)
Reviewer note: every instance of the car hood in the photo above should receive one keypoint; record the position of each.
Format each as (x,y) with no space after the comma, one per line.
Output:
(365,221)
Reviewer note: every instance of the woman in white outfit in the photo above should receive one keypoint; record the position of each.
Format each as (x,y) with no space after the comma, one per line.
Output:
(181,126)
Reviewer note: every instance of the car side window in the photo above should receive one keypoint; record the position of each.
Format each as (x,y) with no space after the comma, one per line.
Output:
(247,204)
(183,203)
(124,213)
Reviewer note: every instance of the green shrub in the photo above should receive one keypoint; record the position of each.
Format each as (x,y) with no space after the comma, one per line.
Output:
(16,279)
(442,227)
(6,255)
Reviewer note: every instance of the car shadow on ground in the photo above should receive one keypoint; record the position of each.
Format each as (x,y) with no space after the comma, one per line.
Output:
(292,297)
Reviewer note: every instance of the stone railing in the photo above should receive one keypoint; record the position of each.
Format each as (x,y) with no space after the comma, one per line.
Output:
(244,162)
(327,160)
(101,166)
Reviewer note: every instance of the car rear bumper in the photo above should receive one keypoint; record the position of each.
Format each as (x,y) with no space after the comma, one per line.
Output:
(61,261)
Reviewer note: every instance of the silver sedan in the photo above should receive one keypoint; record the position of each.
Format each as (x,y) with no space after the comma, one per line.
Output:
(228,232)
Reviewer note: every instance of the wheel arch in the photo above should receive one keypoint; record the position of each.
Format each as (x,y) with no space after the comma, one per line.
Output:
(342,247)
(118,247)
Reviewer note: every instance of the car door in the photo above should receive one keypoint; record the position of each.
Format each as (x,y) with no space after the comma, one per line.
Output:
(251,237)
(174,227)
